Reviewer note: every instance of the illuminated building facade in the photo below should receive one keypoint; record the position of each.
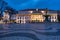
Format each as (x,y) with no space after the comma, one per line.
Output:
(22,18)
(53,16)
(37,17)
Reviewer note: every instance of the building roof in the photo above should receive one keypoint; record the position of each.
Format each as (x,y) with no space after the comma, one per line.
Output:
(52,12)
(26,11)
(32,9)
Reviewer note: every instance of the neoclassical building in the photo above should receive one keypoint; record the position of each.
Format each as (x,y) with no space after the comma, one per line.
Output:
(36,15)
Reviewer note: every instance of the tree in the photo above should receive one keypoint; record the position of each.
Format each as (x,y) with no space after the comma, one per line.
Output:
(46,15)
(3,5)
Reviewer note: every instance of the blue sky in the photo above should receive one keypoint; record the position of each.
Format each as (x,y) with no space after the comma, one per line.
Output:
(30,4)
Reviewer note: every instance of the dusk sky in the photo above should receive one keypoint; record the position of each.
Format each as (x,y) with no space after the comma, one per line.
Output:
(30,4)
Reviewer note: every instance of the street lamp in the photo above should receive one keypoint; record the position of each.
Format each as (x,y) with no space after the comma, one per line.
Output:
(31,11)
